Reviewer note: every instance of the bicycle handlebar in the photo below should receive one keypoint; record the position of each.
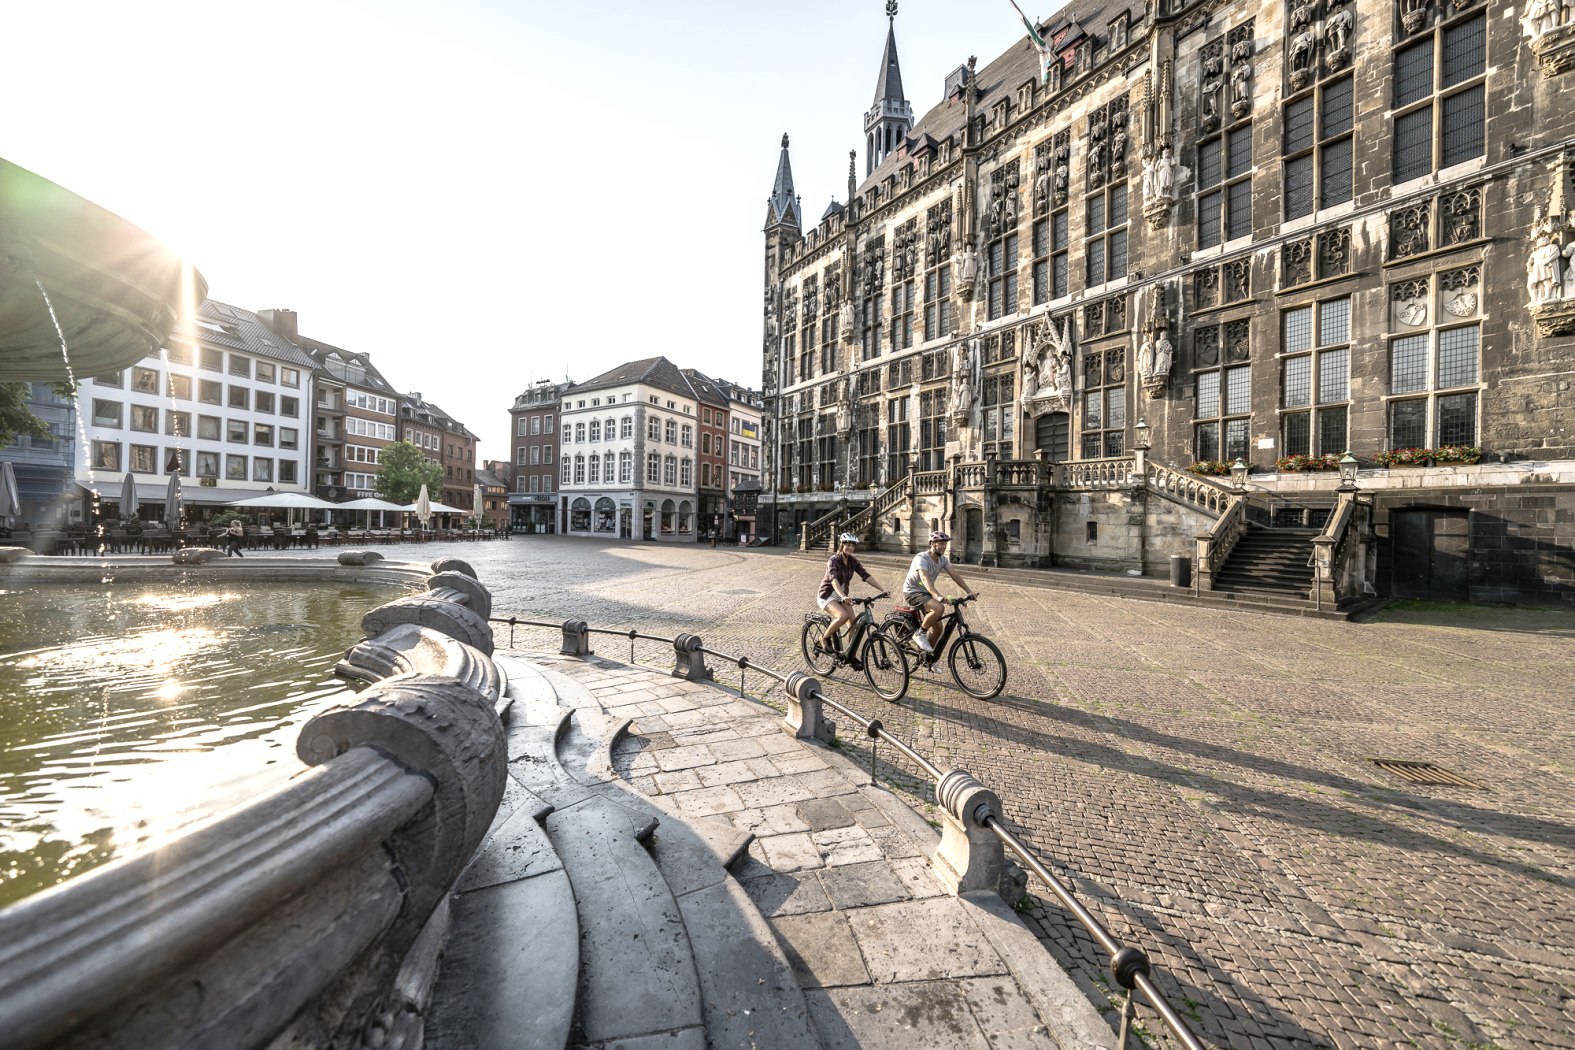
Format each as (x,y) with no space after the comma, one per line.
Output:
(963,601)
(870,600)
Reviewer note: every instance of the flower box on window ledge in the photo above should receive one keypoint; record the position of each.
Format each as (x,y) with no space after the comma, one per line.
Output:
(1454,455)
(1300,464)
(1210,468)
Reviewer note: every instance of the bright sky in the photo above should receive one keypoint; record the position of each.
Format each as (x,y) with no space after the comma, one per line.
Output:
(477,194)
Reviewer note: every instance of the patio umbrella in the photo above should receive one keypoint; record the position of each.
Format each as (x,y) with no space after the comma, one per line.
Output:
(10,496)
(172,514)
(287,501)
(128,497)
(476,501)
(423,507)
(369,503)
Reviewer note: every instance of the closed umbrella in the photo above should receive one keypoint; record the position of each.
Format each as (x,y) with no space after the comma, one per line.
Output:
(476,501)
(423,507)
(172,514)
(10,495)
(128,497)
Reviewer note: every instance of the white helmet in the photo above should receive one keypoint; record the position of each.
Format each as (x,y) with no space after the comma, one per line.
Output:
(847,537)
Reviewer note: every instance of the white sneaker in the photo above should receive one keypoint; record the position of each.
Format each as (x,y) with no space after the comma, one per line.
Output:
(922,639)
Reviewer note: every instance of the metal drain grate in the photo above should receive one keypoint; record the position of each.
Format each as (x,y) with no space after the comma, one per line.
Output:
(1423,773)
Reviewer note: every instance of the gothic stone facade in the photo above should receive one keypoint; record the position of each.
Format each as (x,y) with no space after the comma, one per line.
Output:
(1273,231)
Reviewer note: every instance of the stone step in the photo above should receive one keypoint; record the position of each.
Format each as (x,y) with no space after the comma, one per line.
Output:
(514,922)
(637,978)
(750,995)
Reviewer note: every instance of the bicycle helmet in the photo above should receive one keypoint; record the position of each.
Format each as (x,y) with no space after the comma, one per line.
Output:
(940,537)
(847,537)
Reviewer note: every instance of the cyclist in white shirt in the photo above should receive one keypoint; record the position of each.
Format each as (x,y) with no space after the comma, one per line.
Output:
(919,593)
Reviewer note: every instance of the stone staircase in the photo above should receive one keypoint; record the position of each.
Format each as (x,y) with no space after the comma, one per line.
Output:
(599,915)
(1269,562)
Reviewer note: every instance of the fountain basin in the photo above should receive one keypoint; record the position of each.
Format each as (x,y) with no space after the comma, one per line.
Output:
(116,289)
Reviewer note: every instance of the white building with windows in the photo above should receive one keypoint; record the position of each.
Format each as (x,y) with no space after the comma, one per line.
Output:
(228,409)
(627,454)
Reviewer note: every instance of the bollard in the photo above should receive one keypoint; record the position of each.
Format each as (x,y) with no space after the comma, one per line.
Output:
(576,639)
(806,719)
(970,857)
(688,660)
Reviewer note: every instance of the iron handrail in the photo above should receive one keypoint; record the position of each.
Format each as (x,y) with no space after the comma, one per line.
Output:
(1128,965)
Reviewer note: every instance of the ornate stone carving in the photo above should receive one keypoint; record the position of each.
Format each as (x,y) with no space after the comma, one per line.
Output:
(1408,230)
(1047,365)
(1001,212)
(1206,346)
(1238,280)
(1212,83)
(1296,262)
(965,271)
(1408,304)
(1550,258)
(1413,14)
(1462,216)
(1206,288)
(1337,39)
(1334,252)
(1237,334)
(938,232)
(1061,173)
(1241,49)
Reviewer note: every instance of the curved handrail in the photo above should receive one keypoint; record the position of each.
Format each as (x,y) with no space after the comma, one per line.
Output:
(1129,966)
(1197,491)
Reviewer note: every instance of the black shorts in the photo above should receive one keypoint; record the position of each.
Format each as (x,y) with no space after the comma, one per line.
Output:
(915,600)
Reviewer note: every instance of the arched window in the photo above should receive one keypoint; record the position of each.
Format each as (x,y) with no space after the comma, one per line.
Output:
(627,429)
(669,516)
(686,472)
(579,432)
(672,432)
(686,517)
(596,469)
(579,470)
(625,467)
(608,429)
(607,468)
(689,436)
(670,471)
(606,518)
(705,444)
(596,430)
(580,515)
(568,467)
(653,467)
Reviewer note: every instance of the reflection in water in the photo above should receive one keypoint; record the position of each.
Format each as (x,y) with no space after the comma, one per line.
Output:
(131,711)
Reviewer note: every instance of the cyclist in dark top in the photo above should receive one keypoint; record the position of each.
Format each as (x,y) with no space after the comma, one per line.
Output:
(841,567)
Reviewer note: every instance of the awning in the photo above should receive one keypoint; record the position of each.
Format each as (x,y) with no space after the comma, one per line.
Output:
(153,492)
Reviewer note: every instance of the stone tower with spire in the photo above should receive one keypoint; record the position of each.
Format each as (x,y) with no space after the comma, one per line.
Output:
(889,120)
(783,230)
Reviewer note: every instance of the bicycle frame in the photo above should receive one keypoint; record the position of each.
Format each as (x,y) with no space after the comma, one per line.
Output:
(862,623)
(951,622)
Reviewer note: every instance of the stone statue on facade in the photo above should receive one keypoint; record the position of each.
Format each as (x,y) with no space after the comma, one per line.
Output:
(1542,262)
(965,268)
(1542,17)
(845,320)
(1337,32)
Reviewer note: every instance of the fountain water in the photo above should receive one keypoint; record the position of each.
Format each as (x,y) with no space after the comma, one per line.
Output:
(76,406)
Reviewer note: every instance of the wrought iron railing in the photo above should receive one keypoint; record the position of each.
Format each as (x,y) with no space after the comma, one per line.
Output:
(1129,966)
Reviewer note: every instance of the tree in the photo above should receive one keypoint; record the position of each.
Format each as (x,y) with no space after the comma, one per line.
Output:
(16,418)
(402,470)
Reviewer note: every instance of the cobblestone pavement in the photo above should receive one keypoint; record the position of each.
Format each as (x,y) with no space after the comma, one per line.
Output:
(1205,779)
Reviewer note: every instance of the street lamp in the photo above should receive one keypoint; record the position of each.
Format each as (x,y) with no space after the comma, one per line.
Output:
(1348,473)
(1238,474)
(1140,434)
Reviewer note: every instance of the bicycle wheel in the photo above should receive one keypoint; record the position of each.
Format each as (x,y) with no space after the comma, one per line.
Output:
(886,667)
(978,666)
(820,661)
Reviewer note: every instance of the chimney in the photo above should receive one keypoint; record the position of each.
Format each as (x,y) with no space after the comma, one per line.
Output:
(283,323)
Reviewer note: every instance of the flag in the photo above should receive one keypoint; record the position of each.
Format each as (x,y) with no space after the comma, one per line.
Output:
(1040,45)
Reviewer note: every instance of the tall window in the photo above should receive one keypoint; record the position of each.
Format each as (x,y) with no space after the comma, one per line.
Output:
(806,453)
(938,278)
(1223,404)
(1318,145)
(826,456)
(1105,206)
(1000,254)
(1224,203)
(866,440)
(596,430)
(653,467)
(830,324)
(1438,92)
(871,283)
(670,470)
(1104,401)
(897,438)
(1315,378)
(625,467)
(568,468)
(579,470)
(579,432)
(904,281)
(596,469)
(998,412)
(1435,359)
(932,429)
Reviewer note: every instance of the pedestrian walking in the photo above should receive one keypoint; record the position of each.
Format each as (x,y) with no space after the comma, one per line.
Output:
(713,539)
(235,533)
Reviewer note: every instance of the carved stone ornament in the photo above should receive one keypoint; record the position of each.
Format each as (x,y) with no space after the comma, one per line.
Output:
(1154,357)
(1550,256)
(1413,14)
(1159,187)
(1047,366)
(965,270)
(1555,48)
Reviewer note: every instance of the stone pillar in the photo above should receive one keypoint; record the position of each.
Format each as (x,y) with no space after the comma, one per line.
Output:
(576,639)
(806,718)
(970,857)
(689,661)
